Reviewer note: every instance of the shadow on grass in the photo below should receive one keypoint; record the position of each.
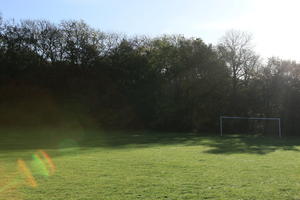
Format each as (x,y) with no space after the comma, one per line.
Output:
(235,144)
(86,141)
(231,144)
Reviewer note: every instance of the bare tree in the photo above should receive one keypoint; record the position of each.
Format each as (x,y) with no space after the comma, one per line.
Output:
(236,50)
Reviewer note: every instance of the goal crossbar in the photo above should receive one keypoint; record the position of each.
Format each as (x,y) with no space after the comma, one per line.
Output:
(250,118)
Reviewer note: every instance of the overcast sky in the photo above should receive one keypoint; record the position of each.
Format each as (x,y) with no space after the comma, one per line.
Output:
(273,23)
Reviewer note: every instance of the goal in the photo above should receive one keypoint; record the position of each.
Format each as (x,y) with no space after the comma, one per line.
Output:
(250,118)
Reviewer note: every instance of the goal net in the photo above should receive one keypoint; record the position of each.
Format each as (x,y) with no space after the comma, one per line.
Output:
(248,119)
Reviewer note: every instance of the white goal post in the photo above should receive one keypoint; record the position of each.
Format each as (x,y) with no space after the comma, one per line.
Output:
(250,118)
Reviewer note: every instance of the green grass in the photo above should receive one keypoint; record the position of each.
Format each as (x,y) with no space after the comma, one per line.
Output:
(141,165)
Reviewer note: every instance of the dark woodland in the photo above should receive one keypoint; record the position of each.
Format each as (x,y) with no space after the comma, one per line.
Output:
(69,75)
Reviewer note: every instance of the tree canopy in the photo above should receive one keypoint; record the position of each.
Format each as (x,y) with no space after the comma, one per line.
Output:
(50,71)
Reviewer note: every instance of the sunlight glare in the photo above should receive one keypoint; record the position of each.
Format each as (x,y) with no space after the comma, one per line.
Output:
(27,173)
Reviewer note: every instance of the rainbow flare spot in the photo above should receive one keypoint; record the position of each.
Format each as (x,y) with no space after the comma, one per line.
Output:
(39,165)
(26,171)
(49,161)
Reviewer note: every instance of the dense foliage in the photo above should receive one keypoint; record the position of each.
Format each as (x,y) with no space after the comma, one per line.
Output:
(53,72)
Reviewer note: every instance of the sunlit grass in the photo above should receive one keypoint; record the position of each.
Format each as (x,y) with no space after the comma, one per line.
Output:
(101,165)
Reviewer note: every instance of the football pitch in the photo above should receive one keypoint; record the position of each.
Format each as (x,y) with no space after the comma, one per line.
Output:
(90,165)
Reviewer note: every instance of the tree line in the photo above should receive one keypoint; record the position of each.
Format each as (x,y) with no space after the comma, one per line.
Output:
(50,72)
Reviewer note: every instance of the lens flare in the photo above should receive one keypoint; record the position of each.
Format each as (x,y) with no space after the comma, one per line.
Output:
(39,166)
(49,161)
(27,173)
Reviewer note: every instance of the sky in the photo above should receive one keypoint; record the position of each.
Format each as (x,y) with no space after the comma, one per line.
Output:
(274,24)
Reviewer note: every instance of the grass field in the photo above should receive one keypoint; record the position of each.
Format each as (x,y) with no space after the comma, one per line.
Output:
(140,165)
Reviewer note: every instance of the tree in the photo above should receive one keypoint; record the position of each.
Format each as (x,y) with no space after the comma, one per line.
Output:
(236,50)
(191,80)
(82,44)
